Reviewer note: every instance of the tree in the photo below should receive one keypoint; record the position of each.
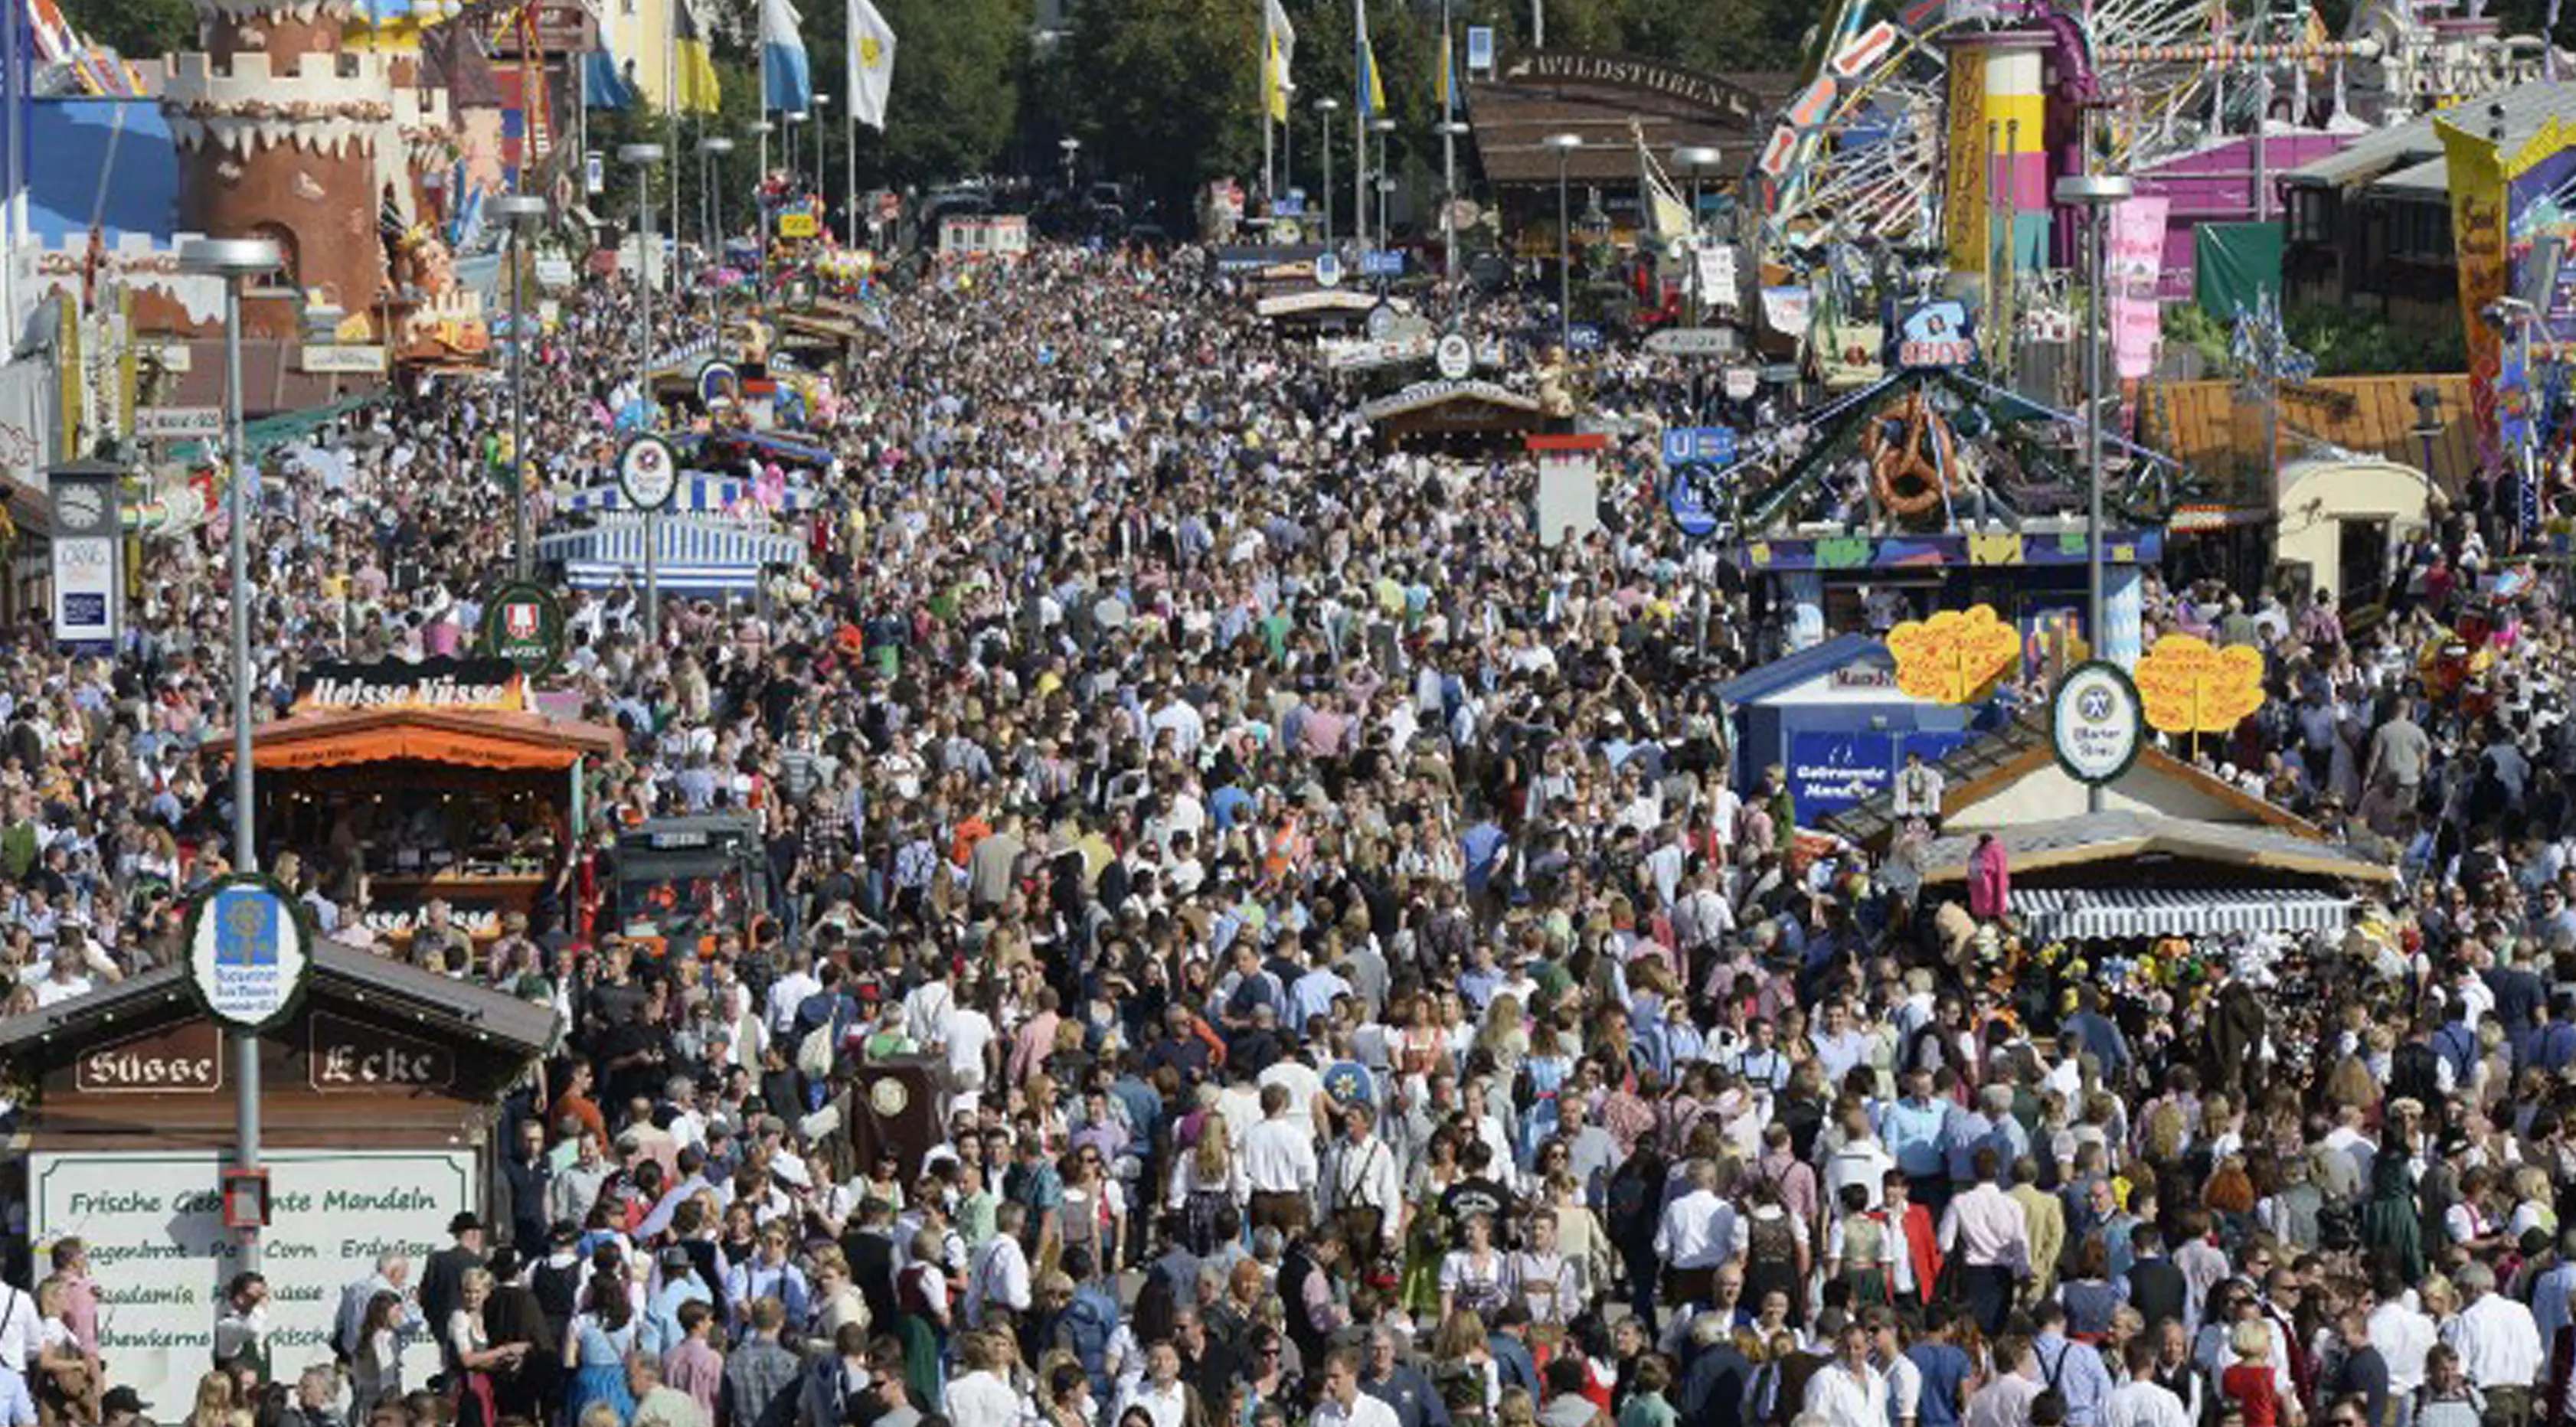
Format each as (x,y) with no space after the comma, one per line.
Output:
(136,29)
(956,88)
(1167,90)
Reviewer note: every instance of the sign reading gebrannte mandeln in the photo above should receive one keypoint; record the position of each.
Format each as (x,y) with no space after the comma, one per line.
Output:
(155,1228)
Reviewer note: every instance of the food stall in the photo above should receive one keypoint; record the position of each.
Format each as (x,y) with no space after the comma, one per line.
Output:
(436,780)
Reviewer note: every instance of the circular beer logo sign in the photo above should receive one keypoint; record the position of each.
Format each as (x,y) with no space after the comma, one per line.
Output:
(648,471)
(524,623)
(249,953)
(2096,722)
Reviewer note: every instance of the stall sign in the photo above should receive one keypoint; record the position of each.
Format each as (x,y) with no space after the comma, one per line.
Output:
(798,223)
(1382,262)
(2095,722)
(186,1059)
(2190,687)
(481,922)
(153,1221)
(444,685)
(524,624)
(1480,49)
(343,1055)
(1742,382)
(1935,337)
(249,951)
(1954,656)
(1700,445)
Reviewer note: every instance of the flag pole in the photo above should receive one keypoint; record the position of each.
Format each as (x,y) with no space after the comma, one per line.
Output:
(1269,86)
(1359,120)
(671,99)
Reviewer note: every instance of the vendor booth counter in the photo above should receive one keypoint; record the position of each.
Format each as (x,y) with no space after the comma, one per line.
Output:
(438,780)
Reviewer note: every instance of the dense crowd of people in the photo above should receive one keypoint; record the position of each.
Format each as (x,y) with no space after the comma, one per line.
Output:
(1359,988)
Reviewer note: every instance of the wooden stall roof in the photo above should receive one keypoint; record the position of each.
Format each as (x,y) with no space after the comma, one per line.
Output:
(379,1052)
(2118,836)
(2197,423)
(518,742)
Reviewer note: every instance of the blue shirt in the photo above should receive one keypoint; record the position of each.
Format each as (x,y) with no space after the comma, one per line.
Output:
(2076,1371)
(1945,1369)
(1912,1134)
(1479,846)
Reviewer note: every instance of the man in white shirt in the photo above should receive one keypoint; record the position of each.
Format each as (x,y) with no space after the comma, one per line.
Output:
(1363,1187)
(1000,1276)
(1848,1392)
(2142,1401)
(2498,1344)
(1987,1228)
(789,992)
(2402,1333)
(1695,1235)
(1165,1398)
(1343,1404)
(979,1397)
(1279,1164)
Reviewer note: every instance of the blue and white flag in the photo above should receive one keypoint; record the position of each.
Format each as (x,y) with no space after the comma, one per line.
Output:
(786,82)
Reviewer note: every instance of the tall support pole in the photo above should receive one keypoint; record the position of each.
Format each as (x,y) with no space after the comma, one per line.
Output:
(644,157)
(235,260)
(1565,145)
(2097,194)
(522,213)
(1324,110)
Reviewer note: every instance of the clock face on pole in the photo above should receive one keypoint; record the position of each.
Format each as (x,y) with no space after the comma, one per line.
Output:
(82,509)
(648,472)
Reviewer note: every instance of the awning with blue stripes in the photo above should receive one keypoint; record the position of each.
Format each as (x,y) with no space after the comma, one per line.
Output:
(2056,913)
(694,554)
(768,443)
(697,492)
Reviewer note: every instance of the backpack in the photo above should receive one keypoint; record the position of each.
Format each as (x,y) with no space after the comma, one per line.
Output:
(814,1054)
(1086,1327)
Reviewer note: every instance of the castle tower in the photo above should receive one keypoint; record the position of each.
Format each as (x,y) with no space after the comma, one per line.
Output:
(285,135)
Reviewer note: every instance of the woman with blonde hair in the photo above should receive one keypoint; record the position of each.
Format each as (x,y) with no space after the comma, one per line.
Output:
(217,1403)
(1206,1181)
(65,1379)
(1463,1370)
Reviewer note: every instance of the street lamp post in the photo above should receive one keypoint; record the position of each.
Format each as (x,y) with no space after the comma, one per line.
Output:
(1072,148)
(522,212)
(235,261)
(822,182)
(2097,194)
(1696,159)
(787,146)
(1385,184)
(711,152)
(644,157)
(1451,131)
(762,129)
(1325,108)
(1564,145)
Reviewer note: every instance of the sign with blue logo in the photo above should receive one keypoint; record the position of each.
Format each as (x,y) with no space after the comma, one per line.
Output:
(1328,269)
(1831,773)
(1935,336)
(249,954)
(1583,337)
(1288,205)
(1702,445)
(1687,496)
(1480,49)
(1382,262)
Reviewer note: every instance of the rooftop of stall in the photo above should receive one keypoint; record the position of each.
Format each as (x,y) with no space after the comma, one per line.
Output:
(1833,716)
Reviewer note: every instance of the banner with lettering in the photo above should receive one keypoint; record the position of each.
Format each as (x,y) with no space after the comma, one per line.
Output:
(2476,173)
(1965,194)
(445,685)
(2541,197)
(2136,245)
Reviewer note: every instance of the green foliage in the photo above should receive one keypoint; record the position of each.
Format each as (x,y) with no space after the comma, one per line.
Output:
(2185,325)
(2348,343)
(136,29)
(1167,91)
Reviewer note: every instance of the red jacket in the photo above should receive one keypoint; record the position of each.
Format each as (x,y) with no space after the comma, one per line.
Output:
(1922,1248)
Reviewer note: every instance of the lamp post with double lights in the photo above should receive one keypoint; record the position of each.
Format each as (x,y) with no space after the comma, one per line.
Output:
(1325,108)
(761,129)
(644,157)
(2097,194)
(822,181)
(1382,126)
(1450,131)
(236,261)
(1564,146)
(522,213)
(1695,160)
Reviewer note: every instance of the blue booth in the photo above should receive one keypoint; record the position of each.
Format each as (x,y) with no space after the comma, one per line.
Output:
(1833,716)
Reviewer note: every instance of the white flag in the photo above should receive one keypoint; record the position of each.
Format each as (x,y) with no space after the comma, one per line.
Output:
(871,64)
(1282,58)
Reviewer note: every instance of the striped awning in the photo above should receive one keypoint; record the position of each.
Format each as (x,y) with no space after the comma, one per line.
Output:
(693,553)
(2054,913)
(697,492)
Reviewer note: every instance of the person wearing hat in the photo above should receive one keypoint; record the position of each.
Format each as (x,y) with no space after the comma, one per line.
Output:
(122,1407)
(442,1279)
